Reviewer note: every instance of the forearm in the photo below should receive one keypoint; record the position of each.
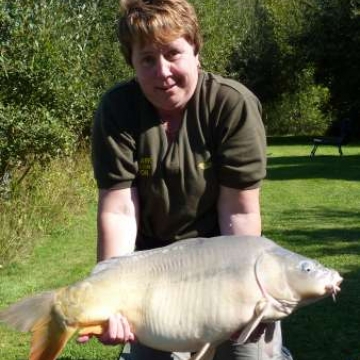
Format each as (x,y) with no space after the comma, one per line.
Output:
(116,235)
(117,222)
(239,212)
(242,224)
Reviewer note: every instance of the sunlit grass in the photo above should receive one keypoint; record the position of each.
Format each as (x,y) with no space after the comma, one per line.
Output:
(312,206)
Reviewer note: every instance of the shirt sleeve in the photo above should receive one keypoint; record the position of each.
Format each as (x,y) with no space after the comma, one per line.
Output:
(240,140)
(113,144)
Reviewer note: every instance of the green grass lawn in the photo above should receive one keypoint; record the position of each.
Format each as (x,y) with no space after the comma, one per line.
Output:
(311,206)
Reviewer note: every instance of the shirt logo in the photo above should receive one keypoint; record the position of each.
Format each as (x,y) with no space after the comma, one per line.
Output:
(205,165)
(145,166)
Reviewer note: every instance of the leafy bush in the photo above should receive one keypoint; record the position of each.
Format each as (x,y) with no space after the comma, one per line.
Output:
(47,197)
(270,62)
(301,112)
(56,58)
(256,60)
(331,44)
(222,26)
(30,135)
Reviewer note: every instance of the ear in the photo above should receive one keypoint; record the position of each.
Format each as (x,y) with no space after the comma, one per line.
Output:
(198,61)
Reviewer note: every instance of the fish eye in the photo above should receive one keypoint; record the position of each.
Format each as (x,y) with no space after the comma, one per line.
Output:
(307,266)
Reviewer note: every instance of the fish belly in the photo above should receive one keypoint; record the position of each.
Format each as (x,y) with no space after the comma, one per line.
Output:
(190,301)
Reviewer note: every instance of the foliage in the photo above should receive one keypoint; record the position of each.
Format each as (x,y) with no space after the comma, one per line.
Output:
(267,61)
(47,197)
(256,59)
(56,58)
(30,135)
(331,43)
(287,39)
(222,23)
(301,58)
(300,112)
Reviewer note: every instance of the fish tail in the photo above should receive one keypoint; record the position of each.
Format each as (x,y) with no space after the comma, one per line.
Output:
(49,338)
(36,314)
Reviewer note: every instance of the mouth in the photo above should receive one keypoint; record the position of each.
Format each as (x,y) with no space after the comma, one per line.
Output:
(334,287)
(166,88)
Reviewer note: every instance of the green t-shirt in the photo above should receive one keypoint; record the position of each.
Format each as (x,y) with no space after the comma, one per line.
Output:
(221,141)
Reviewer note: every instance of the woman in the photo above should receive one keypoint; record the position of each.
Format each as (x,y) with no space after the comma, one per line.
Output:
(177,152)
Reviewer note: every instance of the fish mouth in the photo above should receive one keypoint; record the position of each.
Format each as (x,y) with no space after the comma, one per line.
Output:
(334,288)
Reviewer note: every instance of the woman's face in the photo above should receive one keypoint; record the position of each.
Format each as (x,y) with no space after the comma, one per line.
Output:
(167,74)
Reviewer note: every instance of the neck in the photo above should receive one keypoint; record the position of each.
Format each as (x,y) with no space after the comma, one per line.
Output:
(170,115)
(171,127)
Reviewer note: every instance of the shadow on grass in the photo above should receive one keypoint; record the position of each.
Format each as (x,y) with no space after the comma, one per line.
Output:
(346,167)
(317,242)
(323,237)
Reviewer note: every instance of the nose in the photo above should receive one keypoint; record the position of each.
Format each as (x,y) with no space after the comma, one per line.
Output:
(163,67)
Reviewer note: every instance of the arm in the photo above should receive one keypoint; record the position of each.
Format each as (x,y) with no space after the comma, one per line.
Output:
(117,222)
(117,227)
(239,211)
(239,214)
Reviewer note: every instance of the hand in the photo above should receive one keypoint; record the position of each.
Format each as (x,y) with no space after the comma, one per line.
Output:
(118,332)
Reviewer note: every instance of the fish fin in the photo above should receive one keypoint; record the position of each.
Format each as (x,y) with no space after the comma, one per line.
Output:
(49,337)
(251,326)
(36,314)
(24,314)
(97,329)
(207,352)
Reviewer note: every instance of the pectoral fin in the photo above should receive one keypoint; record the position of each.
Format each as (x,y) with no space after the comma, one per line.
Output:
(261,308)
(207,352)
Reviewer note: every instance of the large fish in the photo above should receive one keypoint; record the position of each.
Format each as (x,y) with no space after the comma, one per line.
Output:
(188,296)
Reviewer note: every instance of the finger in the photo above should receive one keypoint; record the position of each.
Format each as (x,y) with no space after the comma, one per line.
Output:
(116,328)
(118,331)
(115,332)
(125,331)
(83,339)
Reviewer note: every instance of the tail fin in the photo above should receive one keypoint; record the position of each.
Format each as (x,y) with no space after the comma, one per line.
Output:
(36,314)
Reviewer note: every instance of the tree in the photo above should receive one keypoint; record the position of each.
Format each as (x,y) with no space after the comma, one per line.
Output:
(56,58)
(268,61)
(332,45)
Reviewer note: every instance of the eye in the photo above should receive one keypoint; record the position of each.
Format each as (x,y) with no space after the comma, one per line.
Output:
(172,54)
(307,266)
(148,60)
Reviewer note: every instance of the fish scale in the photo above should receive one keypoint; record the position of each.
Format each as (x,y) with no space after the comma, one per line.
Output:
(168,295)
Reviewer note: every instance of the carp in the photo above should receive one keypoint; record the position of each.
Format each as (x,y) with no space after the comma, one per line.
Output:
(188,296)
